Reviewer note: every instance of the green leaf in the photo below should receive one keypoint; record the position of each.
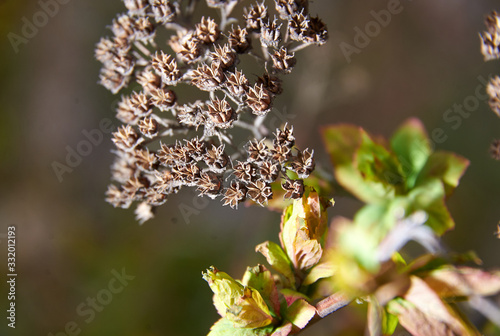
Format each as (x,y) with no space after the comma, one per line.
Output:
(411,145)
(224,327)
(320,271)
(261,279)
(380,322)
(278,260)
(343,143)
(300,313)
(445,166)
(291,296)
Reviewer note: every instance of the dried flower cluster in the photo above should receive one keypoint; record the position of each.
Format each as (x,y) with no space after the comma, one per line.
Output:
(205,54)
(490,48)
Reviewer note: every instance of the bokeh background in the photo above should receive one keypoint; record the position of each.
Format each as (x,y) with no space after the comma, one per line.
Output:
(69,240)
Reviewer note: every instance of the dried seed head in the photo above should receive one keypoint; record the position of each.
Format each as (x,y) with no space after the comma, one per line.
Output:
(166,66)
(289,7)
(104,50)
(123,167)
(149,80)
(125,138)
(224,56)
(298,25)
(317,33)
(148,127)
(221,113)
(280,153)
(123,27)
(493,90)
(196,148)
(153,197)
(135,186)
(293,189)
(219,3)
(244,171)
(125,111)
(209,184)
(236,83)
(187,174)
(163,98)
(143,212)
(191,114)
(207,31)
(163,10)
(270,35)
(257,151)
(259,100)
(136,7)
(260,192)
(112,80)
(234,195)
(495,150)
(303,164)
(269,171)
(190,50)
(116,197)
(283,61)
(207,78)
(284,137)
(239,40)
(216,158)
(144,30)
(144,159)
(141,104)
(122,64)
(255,15)
(490,46)
(271,83)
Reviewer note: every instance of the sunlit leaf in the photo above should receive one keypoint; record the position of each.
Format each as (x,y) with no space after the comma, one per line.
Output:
(224,327)
(320,271)
(262,280)
(300,313)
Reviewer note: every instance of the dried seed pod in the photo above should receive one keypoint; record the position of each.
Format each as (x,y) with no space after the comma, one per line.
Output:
(239,40)
(125,138)
(289,7)
(221,113)
(163,10)
(207,78)
(143,212)
(104,50)
(124,167)
(490,46)
(224,56)
(191,50)
(493,90)
(144,30)
(207,31)
(112,80)
(271,83)
(259,100)
(260,192)
(495,150)
(136,7)
(116,197)
(154,198)
(270,35)
(149,80)
(317,33)
(149,127)
(303,164)
(191,114)
(257,151)
(280,153)
(298,26)
(283,61)
(244,171)
(141,104)
(144,159)
(187,174)
(255,15)
(196,148)
(136,186)
(216,158)
(293,189)
(269,171)
(236,83)
(284,137)
(123,27)
(234,195)
(125,111)
(209,184)
(166,66)
(163,98)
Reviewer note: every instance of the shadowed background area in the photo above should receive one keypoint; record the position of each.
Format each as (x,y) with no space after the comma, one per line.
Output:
(71,244)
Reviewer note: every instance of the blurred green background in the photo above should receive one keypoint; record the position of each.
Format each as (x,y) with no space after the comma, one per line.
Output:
(69,240)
